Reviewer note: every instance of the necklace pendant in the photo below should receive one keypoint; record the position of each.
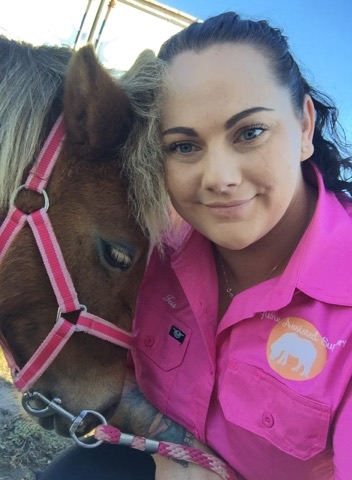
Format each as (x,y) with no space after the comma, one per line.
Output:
(229,292)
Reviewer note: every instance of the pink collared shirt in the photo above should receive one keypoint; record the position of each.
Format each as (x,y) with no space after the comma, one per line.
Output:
(269,387)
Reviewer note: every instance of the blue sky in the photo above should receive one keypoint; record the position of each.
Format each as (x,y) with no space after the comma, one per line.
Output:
(319,32)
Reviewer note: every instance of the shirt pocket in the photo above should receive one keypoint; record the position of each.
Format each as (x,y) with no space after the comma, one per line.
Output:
(167,343)
(257,402)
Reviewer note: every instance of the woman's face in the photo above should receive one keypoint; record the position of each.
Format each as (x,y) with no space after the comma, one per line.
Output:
(234,144)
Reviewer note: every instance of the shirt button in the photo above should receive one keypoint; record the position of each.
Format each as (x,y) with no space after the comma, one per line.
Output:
(148,341)
(267,420)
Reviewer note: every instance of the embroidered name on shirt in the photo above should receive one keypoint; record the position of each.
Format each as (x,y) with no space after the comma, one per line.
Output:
(170,300)
(177,334)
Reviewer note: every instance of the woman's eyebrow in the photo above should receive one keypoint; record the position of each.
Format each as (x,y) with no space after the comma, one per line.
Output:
(238,116)
(185,130)
(228,124)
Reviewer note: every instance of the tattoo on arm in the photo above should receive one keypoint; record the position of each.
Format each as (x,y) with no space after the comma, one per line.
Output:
(139,417)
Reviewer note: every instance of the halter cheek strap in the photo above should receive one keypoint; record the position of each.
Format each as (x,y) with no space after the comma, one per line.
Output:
(55,266)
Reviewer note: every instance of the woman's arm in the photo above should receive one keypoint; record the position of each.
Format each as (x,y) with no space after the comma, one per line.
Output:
(137,416)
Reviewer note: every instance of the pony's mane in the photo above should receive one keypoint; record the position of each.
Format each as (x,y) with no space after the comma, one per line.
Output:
(31,78)
(32,81)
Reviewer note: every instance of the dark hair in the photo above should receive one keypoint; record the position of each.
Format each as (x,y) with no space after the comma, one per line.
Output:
(229,27)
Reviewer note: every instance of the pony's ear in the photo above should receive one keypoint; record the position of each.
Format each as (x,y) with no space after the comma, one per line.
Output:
(97,111)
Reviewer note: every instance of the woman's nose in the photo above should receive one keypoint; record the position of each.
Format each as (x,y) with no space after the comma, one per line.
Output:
(221,171)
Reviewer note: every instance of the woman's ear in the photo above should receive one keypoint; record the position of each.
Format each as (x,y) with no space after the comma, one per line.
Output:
(308,124)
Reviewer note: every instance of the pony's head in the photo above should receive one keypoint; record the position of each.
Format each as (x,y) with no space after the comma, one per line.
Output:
(104,247)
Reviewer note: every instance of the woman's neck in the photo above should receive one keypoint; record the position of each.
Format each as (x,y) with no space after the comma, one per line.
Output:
(239,270)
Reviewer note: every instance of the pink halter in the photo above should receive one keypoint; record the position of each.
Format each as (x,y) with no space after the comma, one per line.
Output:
(59,276)
(68,302)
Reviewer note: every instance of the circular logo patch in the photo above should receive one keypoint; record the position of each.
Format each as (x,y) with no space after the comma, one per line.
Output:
(295,349)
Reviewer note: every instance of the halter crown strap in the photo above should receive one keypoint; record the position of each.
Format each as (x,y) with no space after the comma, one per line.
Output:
(39,175)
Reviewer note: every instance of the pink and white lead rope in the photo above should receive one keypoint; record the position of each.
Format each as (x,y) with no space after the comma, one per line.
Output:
(109,434)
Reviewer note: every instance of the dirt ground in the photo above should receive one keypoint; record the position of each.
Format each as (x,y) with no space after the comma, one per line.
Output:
(24,446)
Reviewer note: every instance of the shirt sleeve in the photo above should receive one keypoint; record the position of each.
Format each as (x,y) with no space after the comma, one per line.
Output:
(342,438)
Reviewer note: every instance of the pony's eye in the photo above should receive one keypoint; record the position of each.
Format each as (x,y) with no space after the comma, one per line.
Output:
(116,256)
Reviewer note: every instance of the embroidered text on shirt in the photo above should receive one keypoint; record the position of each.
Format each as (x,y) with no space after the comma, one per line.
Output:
(170,300)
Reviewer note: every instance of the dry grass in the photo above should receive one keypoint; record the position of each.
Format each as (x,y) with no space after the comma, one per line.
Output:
(4,370)
(24,446)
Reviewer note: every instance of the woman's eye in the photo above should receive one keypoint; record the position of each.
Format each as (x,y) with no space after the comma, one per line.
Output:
(252,133)
(183,148)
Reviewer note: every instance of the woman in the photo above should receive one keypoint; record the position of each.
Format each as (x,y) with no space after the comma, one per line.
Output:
(244,322)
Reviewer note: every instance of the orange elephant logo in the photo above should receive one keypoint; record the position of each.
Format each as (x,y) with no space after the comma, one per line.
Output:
(295,349)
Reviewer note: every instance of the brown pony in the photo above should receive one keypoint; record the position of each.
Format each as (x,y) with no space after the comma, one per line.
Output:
(94,187)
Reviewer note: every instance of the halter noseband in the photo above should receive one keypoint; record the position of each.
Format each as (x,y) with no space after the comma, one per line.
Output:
(59,276)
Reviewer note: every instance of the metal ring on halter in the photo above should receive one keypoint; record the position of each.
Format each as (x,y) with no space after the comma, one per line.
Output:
(23,187)
(83,308)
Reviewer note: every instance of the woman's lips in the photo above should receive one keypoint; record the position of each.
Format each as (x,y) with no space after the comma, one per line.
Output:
(228,209)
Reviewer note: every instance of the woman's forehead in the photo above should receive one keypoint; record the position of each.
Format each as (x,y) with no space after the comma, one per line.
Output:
(233,77)
(224,59)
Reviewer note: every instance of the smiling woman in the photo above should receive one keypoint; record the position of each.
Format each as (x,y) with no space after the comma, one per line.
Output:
(232,317)
(252,158)
(227,176)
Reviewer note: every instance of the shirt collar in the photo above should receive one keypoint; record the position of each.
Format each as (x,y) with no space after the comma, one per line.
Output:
(321,264)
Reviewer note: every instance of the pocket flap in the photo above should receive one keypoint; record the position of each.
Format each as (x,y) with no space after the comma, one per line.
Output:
(259,403)
(166,345)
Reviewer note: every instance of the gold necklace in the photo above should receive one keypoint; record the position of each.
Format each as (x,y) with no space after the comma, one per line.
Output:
(229,289)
